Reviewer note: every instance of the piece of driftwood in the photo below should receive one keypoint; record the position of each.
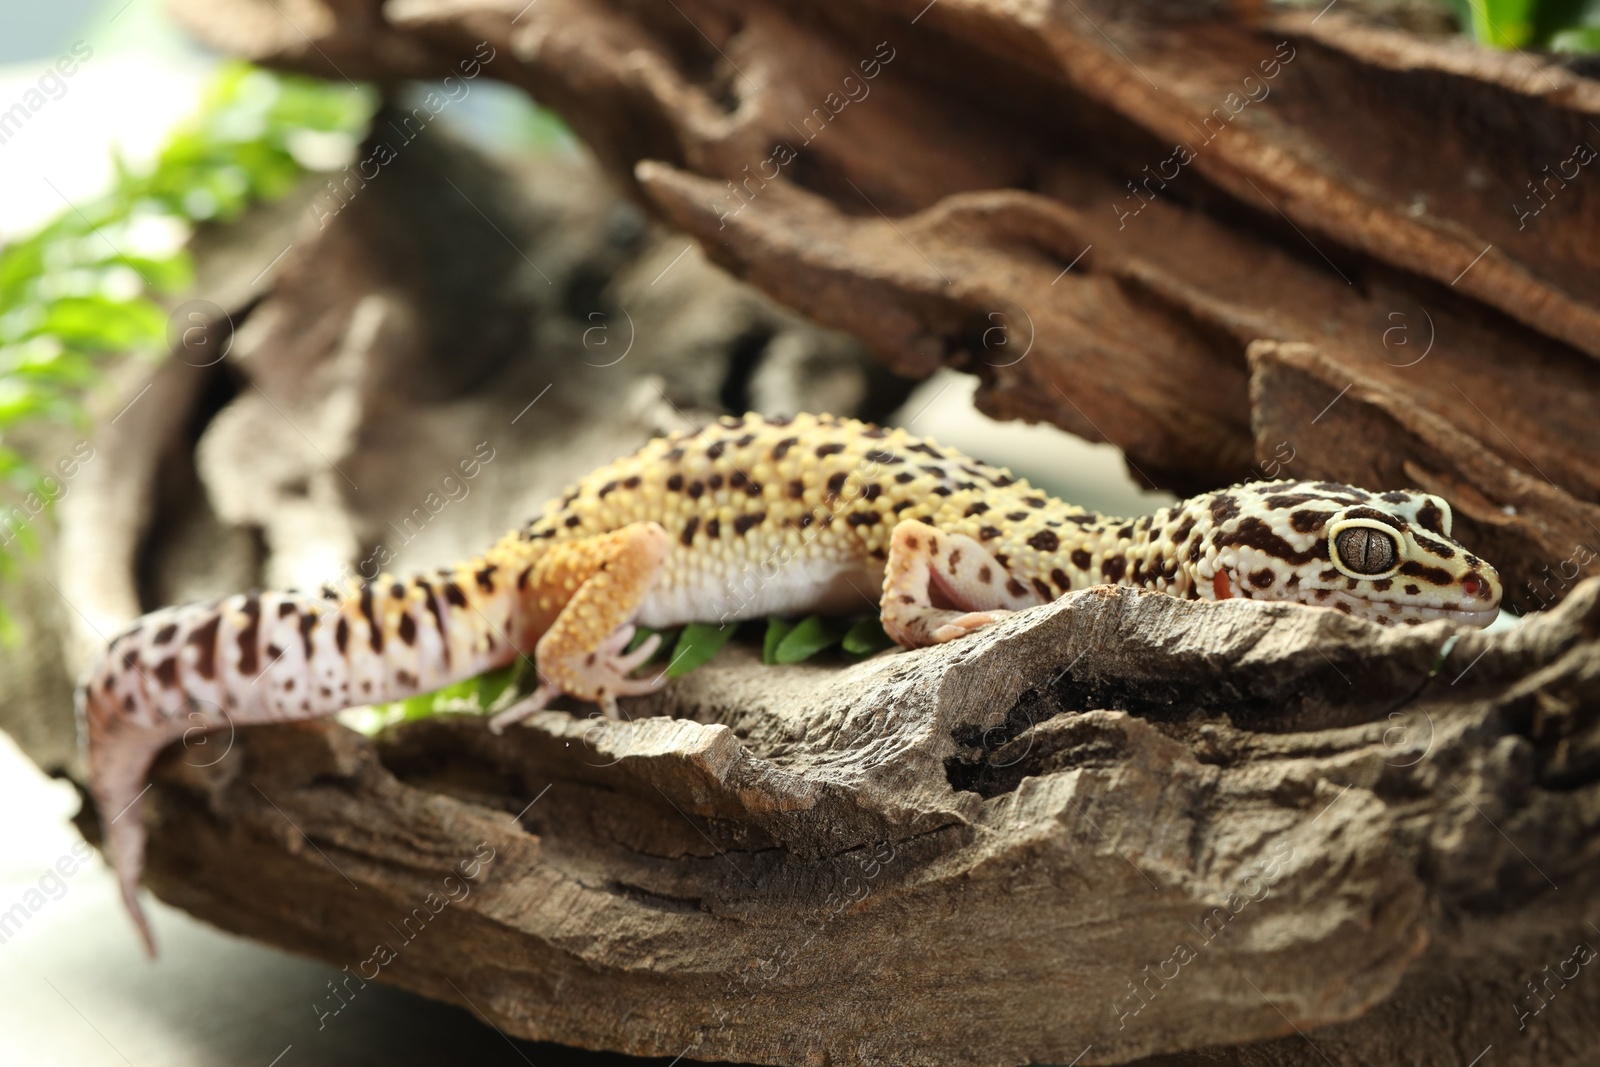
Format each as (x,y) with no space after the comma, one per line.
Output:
(1098,206)
(1113,826)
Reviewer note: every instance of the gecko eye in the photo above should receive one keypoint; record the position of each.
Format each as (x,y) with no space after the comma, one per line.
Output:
(1364,550)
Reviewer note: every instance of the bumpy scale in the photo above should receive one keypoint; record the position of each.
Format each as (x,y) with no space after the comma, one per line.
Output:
(749,517)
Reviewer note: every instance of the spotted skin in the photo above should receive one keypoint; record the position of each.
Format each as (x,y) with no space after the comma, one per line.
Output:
(749,517)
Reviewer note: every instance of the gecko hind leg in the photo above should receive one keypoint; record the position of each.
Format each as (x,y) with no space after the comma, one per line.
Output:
(926,563)
(582,654)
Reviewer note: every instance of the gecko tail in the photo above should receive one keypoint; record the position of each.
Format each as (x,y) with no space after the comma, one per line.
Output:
(195,671)
(119,761)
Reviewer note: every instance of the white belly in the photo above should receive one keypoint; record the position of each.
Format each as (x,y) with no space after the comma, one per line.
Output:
(803,586)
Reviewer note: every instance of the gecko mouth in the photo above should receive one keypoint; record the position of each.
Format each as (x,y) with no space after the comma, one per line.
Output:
(1479,617)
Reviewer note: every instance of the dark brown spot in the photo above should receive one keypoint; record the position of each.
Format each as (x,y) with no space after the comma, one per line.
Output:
(1126,532)
(1059,576)
(689,528)
(912,542)
(1411,590)
(408,629)
(1433,575)
(485,578)
(274,653)
(453,594)
(1113,568)
(166,672)
(905,477)
(872,492)
(744,440)
(1043,589)
(717,449)
(985,574)
(696,488)
(745,523)
(573,520)
(406,679)
(522,581)
(955,558)
(874,432)
(1016,516)
(877,455)
(1438,548)
(831,449)
(1263,578)
(1382,584)
(1045,541)
(1033,501)
(673,455)
(170,630)
(942,490)
(675,483)
(204,639)
(1002,559)
(714,482)
(737,480)
(1015,588)
(1279,501)
(927,450)
(806,520)
(1184,529)
(604,489)
(781,449)
(308,622)
(374,630)
(1429,517)
(836,483)
(797,489)
(1223,508)
(249,660)
(1307,521)
(1081,559)
(976,508)
(988,533)
(713,528)
(397,591)
(863,518)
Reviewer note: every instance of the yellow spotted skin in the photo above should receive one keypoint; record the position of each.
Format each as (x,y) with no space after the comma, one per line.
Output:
(747,517)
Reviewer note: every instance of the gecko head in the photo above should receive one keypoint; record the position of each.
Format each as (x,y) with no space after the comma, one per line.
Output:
(1387,557)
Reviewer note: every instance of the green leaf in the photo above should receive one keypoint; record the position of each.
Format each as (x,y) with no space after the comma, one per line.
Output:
(777,630)
(867,637)
(1582,41)
(1502,23)
(698,642)
(807,639)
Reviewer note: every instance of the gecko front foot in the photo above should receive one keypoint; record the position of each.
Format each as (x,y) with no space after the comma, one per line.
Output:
(601,676)
(962,625)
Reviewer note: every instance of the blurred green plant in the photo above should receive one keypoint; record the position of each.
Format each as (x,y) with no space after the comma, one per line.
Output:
(83,289)
(1555,25)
